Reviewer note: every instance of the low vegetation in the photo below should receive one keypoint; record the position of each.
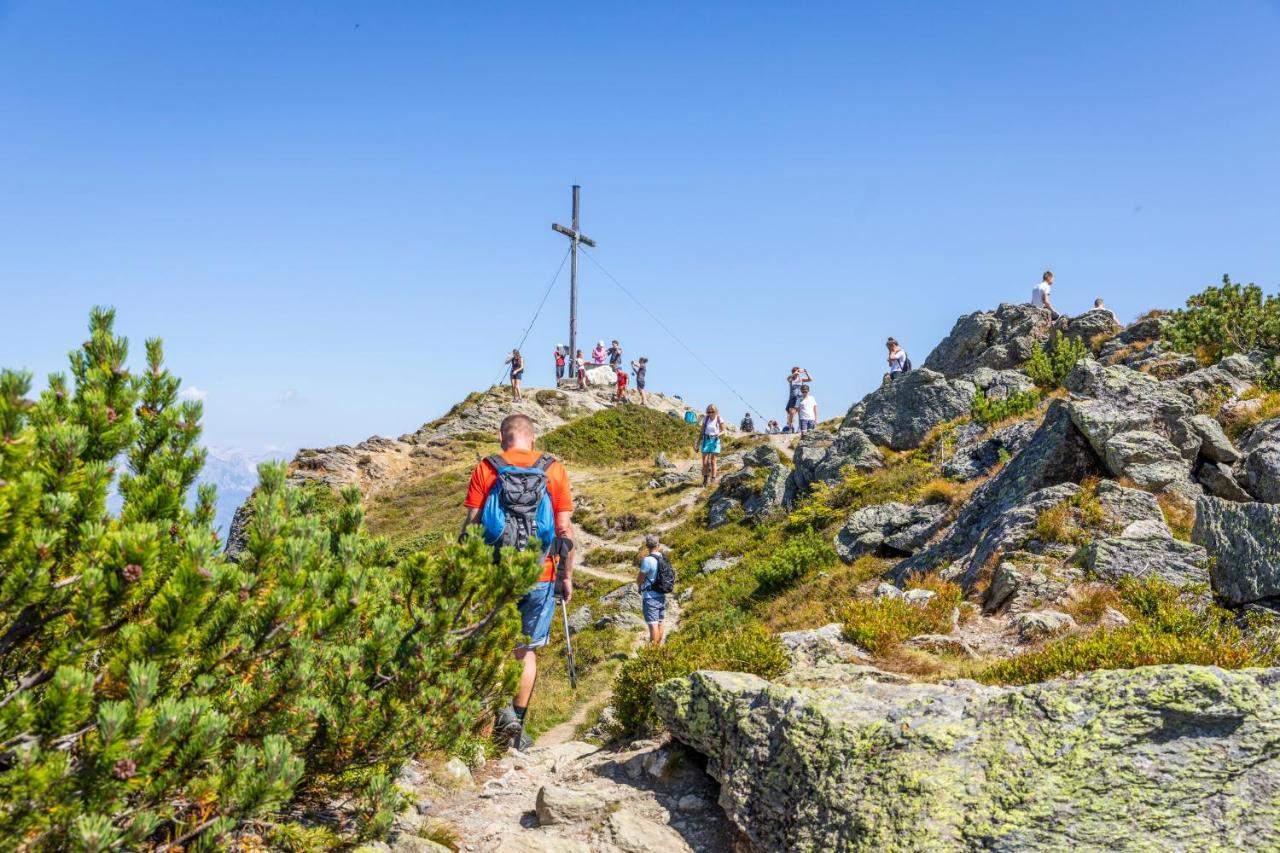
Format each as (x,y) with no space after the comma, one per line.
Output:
(1049,365)
(987,410)
(801,555)
(620,434)
(1226,319)
(880,624)
(1169,626)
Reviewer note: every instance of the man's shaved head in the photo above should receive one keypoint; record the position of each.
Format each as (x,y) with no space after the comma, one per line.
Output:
(517,431)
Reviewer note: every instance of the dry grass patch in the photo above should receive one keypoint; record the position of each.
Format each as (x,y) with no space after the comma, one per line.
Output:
(1088,603)
(881,624)
(1179,514)
(819,602)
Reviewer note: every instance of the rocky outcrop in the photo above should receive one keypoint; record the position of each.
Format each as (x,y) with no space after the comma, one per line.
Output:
(1261,466)
(892,529)
(820,457)
(758,488)
(1220,481)
(1112,558)
(899,415)
(1167,757)
(1216,383)
(1000,511)
(1244,541)
(974,458)
(1000,339)
(1094,325)
(1214,444)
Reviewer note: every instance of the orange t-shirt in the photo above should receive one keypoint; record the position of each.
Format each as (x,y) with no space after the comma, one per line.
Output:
(483,478)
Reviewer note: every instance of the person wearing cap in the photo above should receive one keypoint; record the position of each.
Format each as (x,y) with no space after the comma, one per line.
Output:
(652,602)
(599,355)
(562,356)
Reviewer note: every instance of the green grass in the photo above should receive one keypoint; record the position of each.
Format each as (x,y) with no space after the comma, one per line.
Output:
(621,434)
(1170,626)
(880,624)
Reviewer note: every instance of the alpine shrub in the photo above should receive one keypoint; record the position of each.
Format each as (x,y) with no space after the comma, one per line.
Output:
(153,692)
(880,624)
(1228,319)
(1048,366)
(986,410)
(620,434)
(797,557)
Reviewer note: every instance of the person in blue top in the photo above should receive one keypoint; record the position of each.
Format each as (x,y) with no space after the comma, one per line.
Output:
(653,603)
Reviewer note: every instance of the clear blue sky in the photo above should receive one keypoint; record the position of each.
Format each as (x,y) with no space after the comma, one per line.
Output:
(337,215)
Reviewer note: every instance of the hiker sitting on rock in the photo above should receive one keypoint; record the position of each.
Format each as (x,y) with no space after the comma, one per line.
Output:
(1040,295)
(898,361)
(709,443)
(517,372)
(505,495)
(795,379)
(639,368)
(772,428)
(655,580)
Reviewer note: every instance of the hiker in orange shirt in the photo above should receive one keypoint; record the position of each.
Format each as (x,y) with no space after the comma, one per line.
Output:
(521,496)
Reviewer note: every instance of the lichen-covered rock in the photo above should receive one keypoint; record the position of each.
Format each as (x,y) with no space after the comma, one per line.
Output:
(1143,553)
(1168,757)
(1111,400)
(559,804)
(719,564)
(888,529)
(1041,624)
(821,457)
(1147,458)
(900,414)
(1092,325)
(758,487)
(1220,481)
(1214,444)
(1261,466)
(975,458)
(1000,339)
(1244,541)
(1230,377)
(1057,456)
(1122,506)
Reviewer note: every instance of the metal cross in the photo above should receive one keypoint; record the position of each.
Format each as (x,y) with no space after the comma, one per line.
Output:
(577,237)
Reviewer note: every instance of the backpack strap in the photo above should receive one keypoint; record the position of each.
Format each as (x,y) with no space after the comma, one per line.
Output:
(544,462)
(497,463)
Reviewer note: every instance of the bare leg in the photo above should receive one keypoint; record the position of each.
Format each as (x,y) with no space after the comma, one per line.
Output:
(528,676)
(791,418)
(655,634)
(714,472)
(661,630)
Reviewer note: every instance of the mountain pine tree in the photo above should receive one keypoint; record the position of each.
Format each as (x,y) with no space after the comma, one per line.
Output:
(155,694)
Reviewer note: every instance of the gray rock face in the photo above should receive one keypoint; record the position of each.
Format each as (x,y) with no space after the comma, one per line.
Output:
(888,529)
(663,462)
(1220,481)
(1041,624)
(820,457)
(719,564)
(899,415)
(581,619)
(1172,561)
(1122,507)
(1057,456)
(1092,324)
(1244,541)
(758,487)
(977,458)
(1214,444)
(558,804)
(238,533)
(1147,458)
(1261,467)
(1229,377)
(1163,757)
(1000,339)
(675,479)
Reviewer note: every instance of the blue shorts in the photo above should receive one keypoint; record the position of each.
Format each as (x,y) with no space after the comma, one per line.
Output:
(805,426)
(711,444)
(536,611)
(793,403)
(655,608)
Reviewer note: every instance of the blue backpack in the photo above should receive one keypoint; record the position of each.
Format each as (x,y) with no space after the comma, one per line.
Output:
(518,508)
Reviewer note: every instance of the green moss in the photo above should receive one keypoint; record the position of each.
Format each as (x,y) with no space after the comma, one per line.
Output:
(621,434)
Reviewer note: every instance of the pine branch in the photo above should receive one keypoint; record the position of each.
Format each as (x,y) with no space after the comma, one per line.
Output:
(33,680)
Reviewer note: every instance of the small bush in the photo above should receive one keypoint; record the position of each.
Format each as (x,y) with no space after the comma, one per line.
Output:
(738,648)
(986,410)
(799,556)
(1048,366)
(1090,603)
(622,434)
(1228,319)
(880,624)
(1171,626)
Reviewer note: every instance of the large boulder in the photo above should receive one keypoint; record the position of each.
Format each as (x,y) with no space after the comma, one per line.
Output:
(1220,481)
(1147,458)
(891,529)
(1093,325)
(1214,444)
(821,457)
(1216,383)
(1000,339)
(1161,757)
(1141,556)
(900,414)
(1057,455)
(1244,541)
(1261,466)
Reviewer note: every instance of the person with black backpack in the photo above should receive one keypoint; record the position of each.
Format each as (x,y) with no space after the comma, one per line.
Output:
(522,499)
(656,580)
(899,362)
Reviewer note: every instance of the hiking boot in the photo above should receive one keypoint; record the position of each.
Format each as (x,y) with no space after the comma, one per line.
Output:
(520,741)
(507,726)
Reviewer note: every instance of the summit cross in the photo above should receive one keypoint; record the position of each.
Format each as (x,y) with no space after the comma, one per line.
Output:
(576,236)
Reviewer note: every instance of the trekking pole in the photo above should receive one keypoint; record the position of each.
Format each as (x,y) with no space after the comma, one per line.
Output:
(568,644)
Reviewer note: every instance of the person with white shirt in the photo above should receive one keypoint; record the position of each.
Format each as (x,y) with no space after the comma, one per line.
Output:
(709,443)
(897,360)
(808,410)
(1040,295)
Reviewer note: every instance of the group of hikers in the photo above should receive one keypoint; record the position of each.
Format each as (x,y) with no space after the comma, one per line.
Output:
(600,357)
(522,498)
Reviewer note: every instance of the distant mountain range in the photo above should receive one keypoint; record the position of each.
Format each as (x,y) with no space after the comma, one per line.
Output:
(235,472)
